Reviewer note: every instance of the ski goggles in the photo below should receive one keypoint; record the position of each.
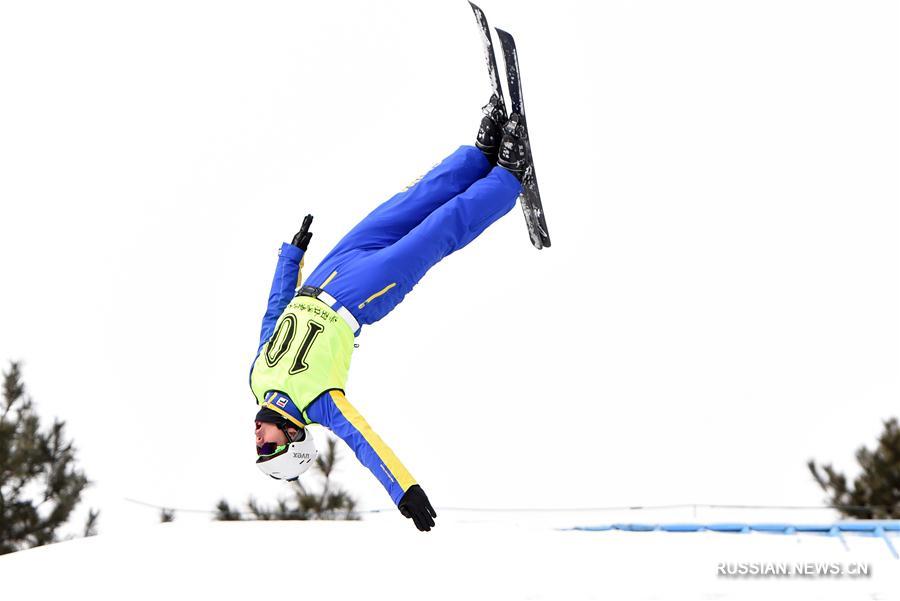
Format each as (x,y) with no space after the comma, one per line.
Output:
(268,450)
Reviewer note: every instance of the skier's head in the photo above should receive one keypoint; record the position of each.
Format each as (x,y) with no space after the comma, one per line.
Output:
(270,432)
(284,447)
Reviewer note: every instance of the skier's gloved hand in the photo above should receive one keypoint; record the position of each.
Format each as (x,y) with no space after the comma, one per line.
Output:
(415,506)
(302,238)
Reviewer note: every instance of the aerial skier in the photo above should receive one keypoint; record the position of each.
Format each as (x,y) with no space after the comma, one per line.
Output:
(308,331)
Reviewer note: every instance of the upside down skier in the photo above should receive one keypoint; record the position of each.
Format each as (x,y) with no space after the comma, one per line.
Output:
(308,331)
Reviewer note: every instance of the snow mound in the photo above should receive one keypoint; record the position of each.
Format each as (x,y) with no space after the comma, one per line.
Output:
(386,558)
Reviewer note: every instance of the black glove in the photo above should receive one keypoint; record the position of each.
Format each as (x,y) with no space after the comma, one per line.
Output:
(415,506)
(302,238)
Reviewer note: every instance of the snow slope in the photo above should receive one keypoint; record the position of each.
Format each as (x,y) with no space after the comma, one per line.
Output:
(459,560)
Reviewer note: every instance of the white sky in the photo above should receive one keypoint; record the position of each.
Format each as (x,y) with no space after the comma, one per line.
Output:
(719,305)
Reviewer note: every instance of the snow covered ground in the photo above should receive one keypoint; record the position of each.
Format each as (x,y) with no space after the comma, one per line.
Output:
(472,558)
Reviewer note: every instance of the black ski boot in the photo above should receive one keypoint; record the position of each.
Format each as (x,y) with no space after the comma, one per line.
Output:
(513,150)
(489,132)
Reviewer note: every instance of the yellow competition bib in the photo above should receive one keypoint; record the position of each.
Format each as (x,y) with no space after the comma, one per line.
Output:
(307,354)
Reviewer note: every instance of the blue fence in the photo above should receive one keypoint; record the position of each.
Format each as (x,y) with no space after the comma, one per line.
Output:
(884,529)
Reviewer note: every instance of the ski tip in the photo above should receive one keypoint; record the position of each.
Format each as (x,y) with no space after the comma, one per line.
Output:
(479,14)
(540,242)
(502,33)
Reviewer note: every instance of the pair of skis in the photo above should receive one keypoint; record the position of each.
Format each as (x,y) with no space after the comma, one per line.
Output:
(530,198)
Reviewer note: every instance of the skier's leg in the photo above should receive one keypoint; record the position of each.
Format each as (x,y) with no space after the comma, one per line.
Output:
(373,285)
(394,218)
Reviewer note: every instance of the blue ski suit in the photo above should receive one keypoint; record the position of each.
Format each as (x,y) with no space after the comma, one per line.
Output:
(371,270)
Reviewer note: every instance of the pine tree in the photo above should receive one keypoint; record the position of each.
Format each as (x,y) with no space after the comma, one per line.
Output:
(875,493)
(39,482)
(330,502)
(224,512)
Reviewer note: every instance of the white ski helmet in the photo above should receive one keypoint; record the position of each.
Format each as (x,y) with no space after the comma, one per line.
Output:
(287,461)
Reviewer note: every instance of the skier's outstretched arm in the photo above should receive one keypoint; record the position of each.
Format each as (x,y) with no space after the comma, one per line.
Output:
(286,279)
(335,412)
